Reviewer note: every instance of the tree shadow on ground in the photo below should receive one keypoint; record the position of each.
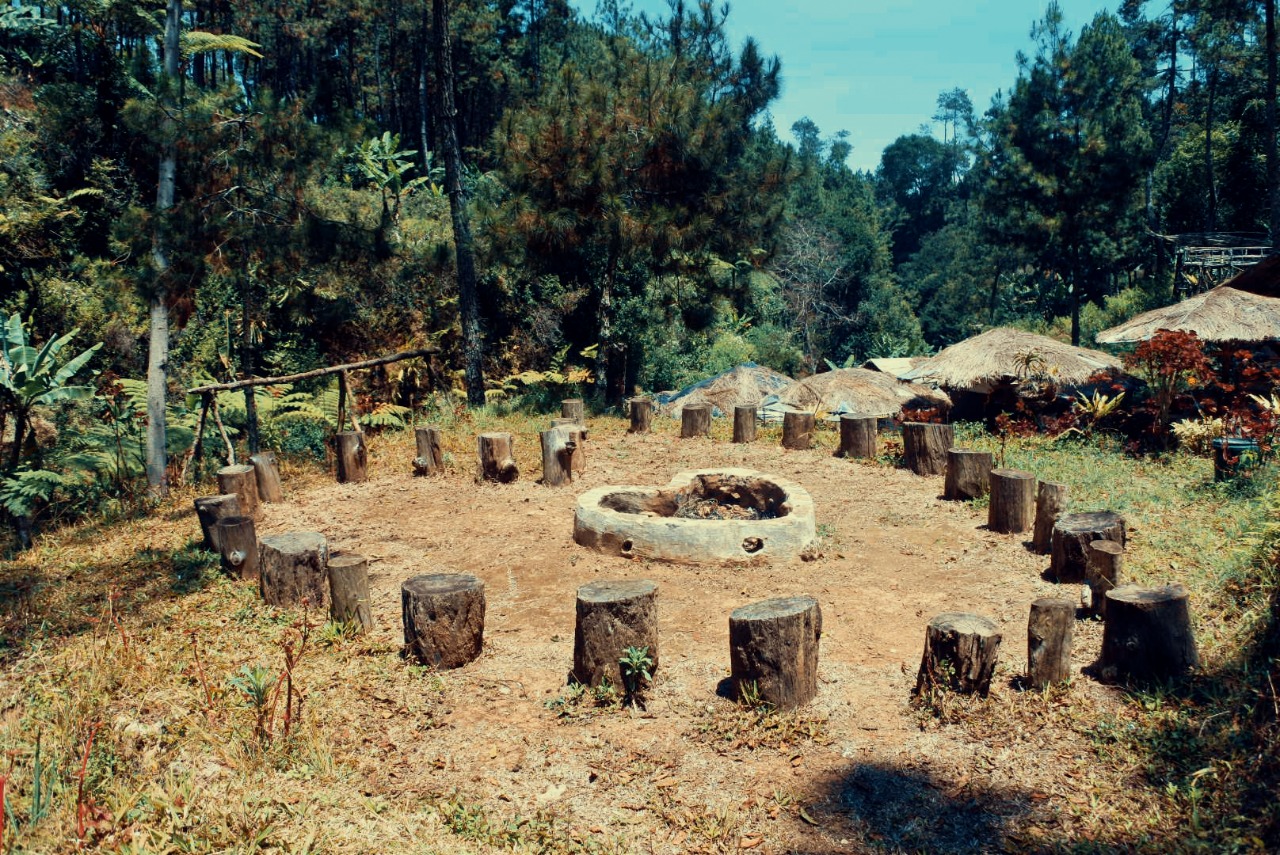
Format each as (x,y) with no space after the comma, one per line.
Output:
(894,808)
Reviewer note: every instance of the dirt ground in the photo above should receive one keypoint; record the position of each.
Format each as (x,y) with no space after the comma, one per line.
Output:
(682,776)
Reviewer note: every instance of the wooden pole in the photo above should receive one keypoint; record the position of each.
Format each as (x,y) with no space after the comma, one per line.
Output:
(1051,503)
(695,420)
(1013,495)
(349,591)
(797,430)
(857,436)
(1049,629)
(744,423)
(318,372)
(968,474)
(924,446)
(641,415)
(226,440)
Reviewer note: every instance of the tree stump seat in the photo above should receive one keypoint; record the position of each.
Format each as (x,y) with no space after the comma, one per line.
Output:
(1072,534)
(960,653)
(210,509)
(968,474)
(773,650)
(924,446)
(612,616)
(1147,635)
(857,436)
(294,567)
(443,618)
(1012,507)
(238,546)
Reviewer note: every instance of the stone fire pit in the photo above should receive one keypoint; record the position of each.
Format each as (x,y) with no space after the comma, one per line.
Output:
(706,515)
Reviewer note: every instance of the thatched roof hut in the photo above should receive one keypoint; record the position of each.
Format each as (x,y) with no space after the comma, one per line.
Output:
(1244,308)
(1003,354)
(893,366)
(747,383)
(861,391)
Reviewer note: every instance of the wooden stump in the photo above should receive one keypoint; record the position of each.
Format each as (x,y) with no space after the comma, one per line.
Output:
(1147,635)
(695,420)
(1104,571)
(353,457)
(1013,495)
(210,509)
(294,567)
(1072,534)
(238,546)
(239,479)
(857,436)
(1049,630)
(612,616)
(744,422)
(443,618)
(924,447)
(968,474)
(797,430)
(572,408)
(960,652)
(773,650)
(430,459)
(557,457)
(641,415)
(266,472)
(496,462)
(349,591)
(1051,503)
(571,424)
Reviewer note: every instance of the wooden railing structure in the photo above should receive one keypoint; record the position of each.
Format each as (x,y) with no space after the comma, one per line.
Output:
(1200,268)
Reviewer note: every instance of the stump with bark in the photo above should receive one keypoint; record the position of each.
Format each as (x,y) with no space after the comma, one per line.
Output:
(349,591)
(1148,634)
(430,459)
(443,618)
(573,408)
(612,616)
(495,459)
(1051,503)
(773,650)
(1013,495)
(744,423)
(571,424)
(857,436)
(239,479)
(238,546)
(924,447)
(210,509)
(266,470)
(1104,571)
(294,567)
(695,420)
(641,410)
(960,652)
(797,430)
(1072,534)
(353,457)
(968,474)
(557,456)
(1049,631)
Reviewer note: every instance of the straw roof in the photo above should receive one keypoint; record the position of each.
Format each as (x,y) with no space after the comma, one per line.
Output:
(1220,314)
(743,384)
(893,366)
(1008,353)
(860,390)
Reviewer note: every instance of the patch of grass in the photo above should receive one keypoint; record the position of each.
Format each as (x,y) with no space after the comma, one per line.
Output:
(734,727)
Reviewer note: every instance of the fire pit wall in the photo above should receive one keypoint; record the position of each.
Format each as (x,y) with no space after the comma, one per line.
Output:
(706,515)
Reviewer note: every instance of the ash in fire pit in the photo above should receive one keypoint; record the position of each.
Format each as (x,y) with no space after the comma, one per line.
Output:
(705,515)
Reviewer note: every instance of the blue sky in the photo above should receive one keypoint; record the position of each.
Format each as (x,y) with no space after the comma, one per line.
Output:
(875,69)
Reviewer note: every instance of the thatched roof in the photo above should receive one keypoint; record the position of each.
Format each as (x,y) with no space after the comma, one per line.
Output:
(1005,353)
(747,383)
(1220,314)
(862,391)
(893,366)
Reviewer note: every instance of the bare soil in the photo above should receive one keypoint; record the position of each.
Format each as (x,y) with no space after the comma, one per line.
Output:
(857,772)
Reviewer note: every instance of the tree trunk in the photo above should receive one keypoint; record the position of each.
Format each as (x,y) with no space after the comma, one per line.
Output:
(557,457)
(1072,534)
(352,457)
(641,415)
(797,430)
(210,509)
(430,459)
(1013,501)
(496,462)
(773,650)
(1049,630)
(443,619)
(1273,126)
(573,408)
(1148,635)
(968,474)
(612,616)
(924,447)
(464,251)
(1051,502)
(349,591)
(266,470)
(695,420)
(1104,572)
(239,479)
(294,568)
(238,546)
(960,652)
(744,423)
(857,436)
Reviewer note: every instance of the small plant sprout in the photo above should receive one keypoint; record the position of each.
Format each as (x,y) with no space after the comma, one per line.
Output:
(634,665)
(255,683)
